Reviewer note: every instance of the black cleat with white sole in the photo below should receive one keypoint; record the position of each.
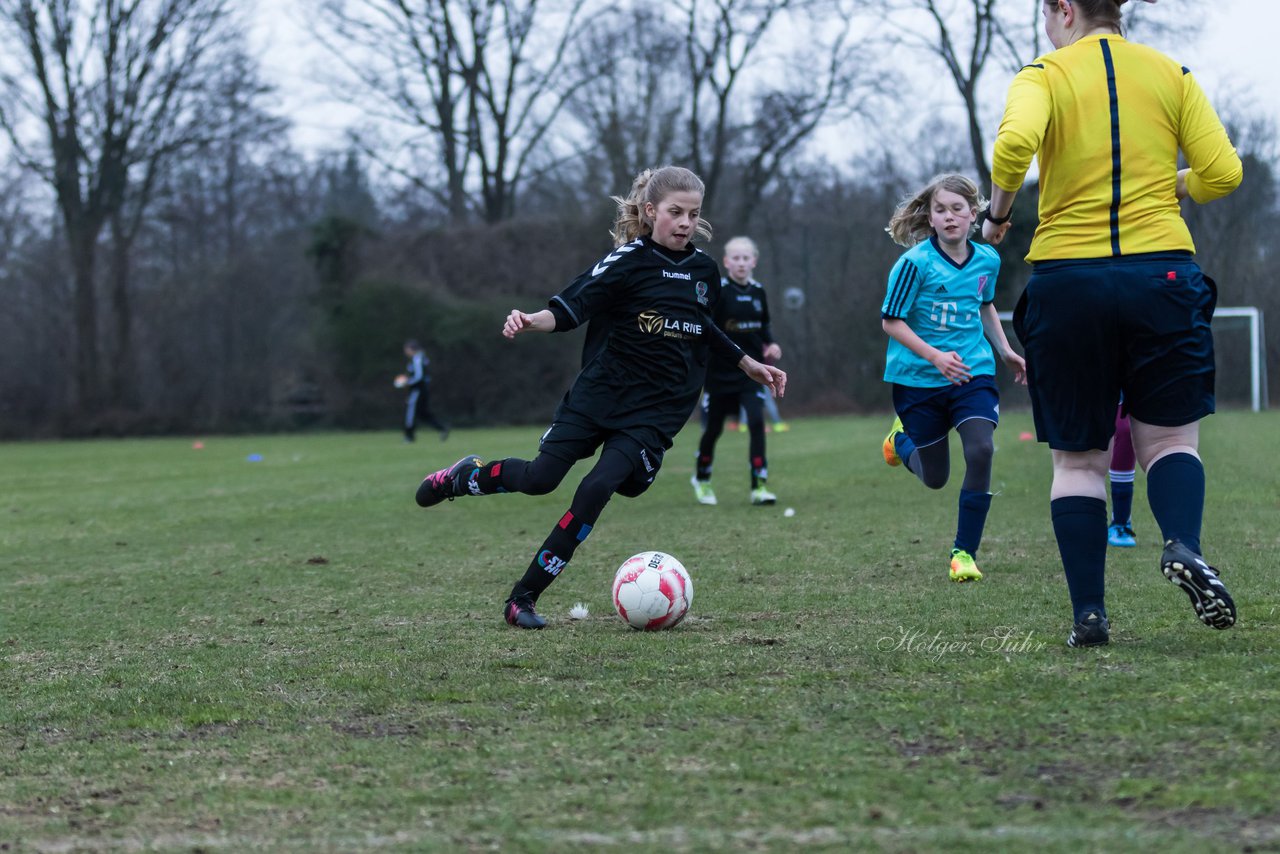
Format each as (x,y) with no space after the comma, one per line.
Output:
(1214,605)
(1092,630)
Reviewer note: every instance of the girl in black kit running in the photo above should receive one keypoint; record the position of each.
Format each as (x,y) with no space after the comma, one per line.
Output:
(649,305)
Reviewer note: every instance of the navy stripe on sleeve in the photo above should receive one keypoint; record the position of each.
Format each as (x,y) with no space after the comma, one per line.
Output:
(901,287)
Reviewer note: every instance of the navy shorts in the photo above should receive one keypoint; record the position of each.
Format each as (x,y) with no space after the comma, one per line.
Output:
(928,414)
(571,439)
(1094,329)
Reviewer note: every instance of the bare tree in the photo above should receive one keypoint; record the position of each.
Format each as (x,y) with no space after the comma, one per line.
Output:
(477,84)
(972,37)
(631,107)
(966,43)
(105,84)
(746,103)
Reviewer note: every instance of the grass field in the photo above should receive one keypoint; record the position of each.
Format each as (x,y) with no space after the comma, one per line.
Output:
(206,653)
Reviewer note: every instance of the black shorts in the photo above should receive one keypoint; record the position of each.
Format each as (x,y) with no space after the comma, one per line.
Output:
(729,403)
(572,438)
(1093,329)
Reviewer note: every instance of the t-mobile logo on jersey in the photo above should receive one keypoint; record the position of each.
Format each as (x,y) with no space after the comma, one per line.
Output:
(942,313)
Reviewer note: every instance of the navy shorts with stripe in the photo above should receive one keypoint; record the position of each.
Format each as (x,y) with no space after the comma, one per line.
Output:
(928,414)
(1094,329)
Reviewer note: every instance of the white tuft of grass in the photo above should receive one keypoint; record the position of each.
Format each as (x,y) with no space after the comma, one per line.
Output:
(578,612)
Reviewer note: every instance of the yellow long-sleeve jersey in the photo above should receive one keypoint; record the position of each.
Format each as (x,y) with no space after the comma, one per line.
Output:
(1106,118)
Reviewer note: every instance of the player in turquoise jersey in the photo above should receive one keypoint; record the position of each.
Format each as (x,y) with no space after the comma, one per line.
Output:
(939,316)
(1116,303)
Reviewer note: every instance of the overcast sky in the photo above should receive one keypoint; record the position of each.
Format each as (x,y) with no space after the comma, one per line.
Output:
(1235,61)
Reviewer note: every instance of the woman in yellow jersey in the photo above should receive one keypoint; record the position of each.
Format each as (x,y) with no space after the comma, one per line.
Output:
(1115,302)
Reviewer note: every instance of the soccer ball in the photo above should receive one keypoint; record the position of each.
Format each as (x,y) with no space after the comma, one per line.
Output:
(651,591)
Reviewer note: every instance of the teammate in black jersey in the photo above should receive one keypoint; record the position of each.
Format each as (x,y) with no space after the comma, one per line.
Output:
(743,313)
(649,304)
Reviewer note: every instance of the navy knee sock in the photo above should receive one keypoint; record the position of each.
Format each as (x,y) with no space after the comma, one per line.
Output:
(1175,490)
(1121,497)
(905,447)
(1080,525)
(972,519)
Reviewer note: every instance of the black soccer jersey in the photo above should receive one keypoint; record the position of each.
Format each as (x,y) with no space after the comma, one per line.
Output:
(743,314)
(645,357)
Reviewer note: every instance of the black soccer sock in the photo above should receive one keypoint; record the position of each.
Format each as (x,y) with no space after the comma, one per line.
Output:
(488,478)
(610,472)
(1175,490)
(1080,525)
(554,555)
(702,465)
(755,442)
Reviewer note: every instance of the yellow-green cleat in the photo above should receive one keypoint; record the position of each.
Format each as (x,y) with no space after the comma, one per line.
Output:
(702,490)
(962,566)
(888,448)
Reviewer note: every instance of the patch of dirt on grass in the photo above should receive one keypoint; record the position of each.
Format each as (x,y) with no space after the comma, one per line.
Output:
(1221,824)
(370,726)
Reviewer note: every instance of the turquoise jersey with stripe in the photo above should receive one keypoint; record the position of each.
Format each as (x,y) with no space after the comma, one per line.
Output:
(941,301)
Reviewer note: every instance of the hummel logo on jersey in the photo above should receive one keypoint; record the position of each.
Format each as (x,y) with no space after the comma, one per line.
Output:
(613,256)
(667,274)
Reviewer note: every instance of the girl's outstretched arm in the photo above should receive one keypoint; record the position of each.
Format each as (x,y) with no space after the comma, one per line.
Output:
(518,321)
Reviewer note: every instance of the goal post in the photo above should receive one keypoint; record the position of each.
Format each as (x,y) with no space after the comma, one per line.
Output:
(1257,349)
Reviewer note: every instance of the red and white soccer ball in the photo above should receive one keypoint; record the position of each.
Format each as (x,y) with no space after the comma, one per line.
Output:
(652,591)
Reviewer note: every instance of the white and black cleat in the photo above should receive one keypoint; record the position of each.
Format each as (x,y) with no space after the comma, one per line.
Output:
(1214,605)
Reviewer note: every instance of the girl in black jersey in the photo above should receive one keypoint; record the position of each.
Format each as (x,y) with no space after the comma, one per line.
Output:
(649,304)
(743,313)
